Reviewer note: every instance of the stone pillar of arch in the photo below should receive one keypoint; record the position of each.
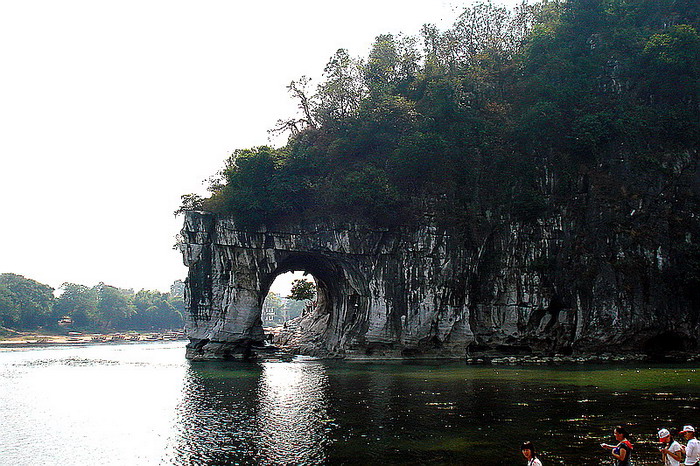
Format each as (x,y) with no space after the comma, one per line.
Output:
(377,295)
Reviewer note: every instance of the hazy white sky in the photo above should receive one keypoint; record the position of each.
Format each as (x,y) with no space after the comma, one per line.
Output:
(110,110)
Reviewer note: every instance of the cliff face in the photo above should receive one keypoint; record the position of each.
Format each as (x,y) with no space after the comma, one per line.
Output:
(424,291)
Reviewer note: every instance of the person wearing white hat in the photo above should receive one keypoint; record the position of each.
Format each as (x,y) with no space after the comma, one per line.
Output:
(692,449)
(671,453)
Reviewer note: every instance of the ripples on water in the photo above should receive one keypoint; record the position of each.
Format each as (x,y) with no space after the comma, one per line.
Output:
(133,404)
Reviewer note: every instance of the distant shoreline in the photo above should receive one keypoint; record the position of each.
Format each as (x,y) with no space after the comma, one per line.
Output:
(35,340)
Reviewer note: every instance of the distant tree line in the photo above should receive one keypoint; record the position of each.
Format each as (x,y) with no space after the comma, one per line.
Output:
(26,304)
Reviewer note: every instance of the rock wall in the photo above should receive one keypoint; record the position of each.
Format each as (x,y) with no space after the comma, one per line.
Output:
(512,288)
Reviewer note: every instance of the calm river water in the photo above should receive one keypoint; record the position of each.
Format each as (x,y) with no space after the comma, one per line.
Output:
(134,404)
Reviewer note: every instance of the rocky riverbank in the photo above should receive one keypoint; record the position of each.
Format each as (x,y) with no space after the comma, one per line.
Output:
(582,359)
(32,339)
(280,346)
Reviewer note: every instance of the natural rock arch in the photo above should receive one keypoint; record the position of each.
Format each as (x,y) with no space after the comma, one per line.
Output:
(380,295)
(419,291)
(321,323)
(328,275)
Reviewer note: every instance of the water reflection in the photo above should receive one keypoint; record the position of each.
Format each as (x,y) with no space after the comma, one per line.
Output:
(292,419)
(215,415)
(144,404)
(267,413)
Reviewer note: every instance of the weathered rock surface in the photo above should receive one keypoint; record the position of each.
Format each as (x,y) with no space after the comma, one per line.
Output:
(424,291)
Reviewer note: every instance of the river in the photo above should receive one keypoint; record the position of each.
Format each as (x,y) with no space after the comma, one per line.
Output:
(133,404)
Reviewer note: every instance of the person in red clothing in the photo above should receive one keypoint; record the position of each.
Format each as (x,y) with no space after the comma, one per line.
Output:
(623,450)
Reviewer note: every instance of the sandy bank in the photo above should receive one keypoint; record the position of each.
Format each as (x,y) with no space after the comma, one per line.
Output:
(28,339)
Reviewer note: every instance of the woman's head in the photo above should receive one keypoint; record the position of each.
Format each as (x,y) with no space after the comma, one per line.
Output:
(620,433)
(528,450)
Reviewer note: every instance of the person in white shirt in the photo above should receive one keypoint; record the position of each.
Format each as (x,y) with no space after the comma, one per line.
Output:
(692,449)
(528,450)
(671,453)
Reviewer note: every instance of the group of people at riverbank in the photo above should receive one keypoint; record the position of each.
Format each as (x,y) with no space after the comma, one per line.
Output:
(672,452)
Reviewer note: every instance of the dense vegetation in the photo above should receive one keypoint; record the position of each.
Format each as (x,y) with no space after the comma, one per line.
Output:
(506,114)
(584,113)
(26,304)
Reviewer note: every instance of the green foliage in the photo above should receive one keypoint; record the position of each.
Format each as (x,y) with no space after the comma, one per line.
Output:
(363,193)
(381,72)
(507,114)
(113,305)
(24,303)
(155,310)
(256,187)
(340,95)
(670,62)
(9,311)
(302,290)
(78,302)
(676,49)
(189,202)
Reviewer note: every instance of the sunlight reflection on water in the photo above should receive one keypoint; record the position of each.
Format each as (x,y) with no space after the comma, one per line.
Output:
(143,404)
(292,412)
(87,405)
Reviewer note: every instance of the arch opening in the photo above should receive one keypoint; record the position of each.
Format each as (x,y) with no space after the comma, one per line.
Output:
(291,316)
(279,306)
